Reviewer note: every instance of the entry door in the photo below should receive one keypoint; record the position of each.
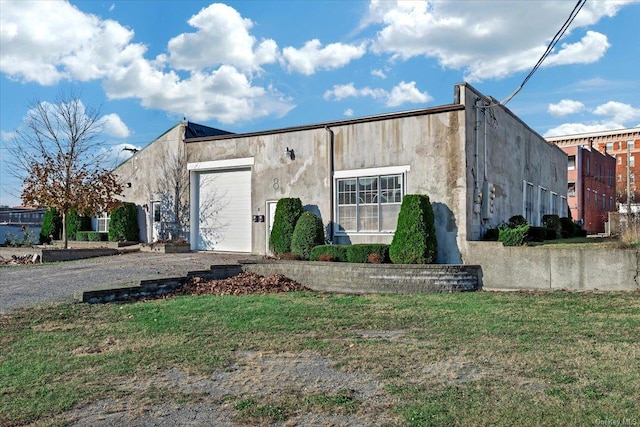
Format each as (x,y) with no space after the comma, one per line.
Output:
(271,214)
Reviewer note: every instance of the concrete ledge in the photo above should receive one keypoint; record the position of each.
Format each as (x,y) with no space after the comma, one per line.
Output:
(56,255)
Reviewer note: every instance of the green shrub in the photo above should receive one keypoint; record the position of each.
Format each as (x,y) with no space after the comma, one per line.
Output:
(414,241)
(491,235)
(81,236)
(568,227)
(288,210)
(337,252)
(517,221)
(51,226)
(91,236)
(124,223)
(309,233)
(514,236)
(537,234)
(75,223)
(360,253)
(553,222)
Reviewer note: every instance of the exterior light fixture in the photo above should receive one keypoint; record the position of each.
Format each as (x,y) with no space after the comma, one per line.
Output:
(289,152)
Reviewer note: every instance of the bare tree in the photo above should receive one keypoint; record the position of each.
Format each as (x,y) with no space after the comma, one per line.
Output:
(173,188)
(56,154)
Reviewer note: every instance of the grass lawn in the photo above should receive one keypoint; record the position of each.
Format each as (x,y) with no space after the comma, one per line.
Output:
(508,359)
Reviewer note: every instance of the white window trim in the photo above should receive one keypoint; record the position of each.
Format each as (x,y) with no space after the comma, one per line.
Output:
(221,164)
(367,172)
(356,173)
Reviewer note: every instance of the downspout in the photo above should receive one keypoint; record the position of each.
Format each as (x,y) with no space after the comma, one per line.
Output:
(331,184)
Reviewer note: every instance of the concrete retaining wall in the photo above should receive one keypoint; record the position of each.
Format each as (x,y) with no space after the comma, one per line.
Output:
(554,268)
(56,255)
(372,278)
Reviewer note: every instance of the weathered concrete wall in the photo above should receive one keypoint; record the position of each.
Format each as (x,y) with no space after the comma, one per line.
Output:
(552,268)
(146,170)
(512,153)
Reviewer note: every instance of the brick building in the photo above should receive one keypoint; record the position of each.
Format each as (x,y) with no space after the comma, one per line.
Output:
(604,164)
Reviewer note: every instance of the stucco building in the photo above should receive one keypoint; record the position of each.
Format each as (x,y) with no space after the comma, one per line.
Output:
(477,161)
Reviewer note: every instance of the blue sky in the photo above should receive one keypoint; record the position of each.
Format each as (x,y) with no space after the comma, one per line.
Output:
(253,65)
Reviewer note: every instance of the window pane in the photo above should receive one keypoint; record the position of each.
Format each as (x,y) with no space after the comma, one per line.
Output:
(347,217)
(347,192)
(390,189)
(368,190)
(368,218)
(389,217)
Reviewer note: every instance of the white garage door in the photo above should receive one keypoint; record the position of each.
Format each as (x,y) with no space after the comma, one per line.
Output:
(224,210)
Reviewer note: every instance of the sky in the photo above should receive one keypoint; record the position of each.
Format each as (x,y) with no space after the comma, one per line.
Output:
(251,65)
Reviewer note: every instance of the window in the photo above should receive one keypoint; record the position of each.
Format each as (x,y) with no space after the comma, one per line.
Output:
(609,146)
(571,189)
(554,204)
(369,203)
(631,179)
(619,159)
(619,177)
(630,145)
(542,203)
(604,202)
(103,223)
(563,206)
(528,201)
(588,165)
(156,211)
(595,199)
(632,161)
(588,198)
(571,162)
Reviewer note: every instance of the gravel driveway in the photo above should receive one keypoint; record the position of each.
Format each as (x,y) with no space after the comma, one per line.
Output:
(29,285)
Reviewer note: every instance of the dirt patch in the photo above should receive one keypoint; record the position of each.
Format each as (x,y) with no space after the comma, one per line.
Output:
(214,400)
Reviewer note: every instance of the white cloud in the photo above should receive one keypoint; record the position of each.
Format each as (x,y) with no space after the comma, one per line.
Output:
(63,43)
(6,136)
(400,94)
(222,37)
(313,57)
(565,107)
(576,128)
(486,39)
(112,125)
(407,93)
(378,73)
(348,112)
(618,111)
(118,153)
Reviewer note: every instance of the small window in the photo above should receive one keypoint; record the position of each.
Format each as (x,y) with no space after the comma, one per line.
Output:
(630,145)
(571,162)
(632,179)
(156,211)
(619,177)
(571,189)
(619,160)
(609,146)
(632,161)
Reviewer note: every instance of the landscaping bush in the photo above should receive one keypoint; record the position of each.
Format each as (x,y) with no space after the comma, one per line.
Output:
(491,235)
(91,236)
(51,226)
(537,234)
(568,227)
(553,222)
(517,221)
(514,236)
(288,210)
(337,253)
(360,253)
(414,241)
(124,223)
(309,233)
(75,223)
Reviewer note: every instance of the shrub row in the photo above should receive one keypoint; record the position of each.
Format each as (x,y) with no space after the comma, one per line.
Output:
(91,236)
(374,253)
(554,227)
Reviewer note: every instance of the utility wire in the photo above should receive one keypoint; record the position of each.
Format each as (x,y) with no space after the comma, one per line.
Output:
(552,44)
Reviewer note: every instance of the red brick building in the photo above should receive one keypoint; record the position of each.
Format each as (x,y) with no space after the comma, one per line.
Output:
(601,173)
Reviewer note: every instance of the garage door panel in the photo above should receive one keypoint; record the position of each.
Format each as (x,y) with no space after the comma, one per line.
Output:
(225,210)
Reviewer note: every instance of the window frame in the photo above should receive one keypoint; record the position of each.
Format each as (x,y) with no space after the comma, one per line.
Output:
(379,174)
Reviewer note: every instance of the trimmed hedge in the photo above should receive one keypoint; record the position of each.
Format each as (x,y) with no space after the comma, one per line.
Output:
(537,234)
(337,252)
(51,226)
(568,227)
(308,233)
(76,223)
(123,225)
(414,241)
(491,235)
(517,221)
(288,211)
(91,236)
(514,236)
(360,253)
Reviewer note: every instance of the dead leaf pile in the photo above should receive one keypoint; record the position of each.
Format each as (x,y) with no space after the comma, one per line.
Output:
(243,283)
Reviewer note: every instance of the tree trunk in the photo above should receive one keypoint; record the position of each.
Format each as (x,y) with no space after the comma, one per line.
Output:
(65,243)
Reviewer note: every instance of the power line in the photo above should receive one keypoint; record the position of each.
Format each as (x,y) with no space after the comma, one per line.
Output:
(552,44)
